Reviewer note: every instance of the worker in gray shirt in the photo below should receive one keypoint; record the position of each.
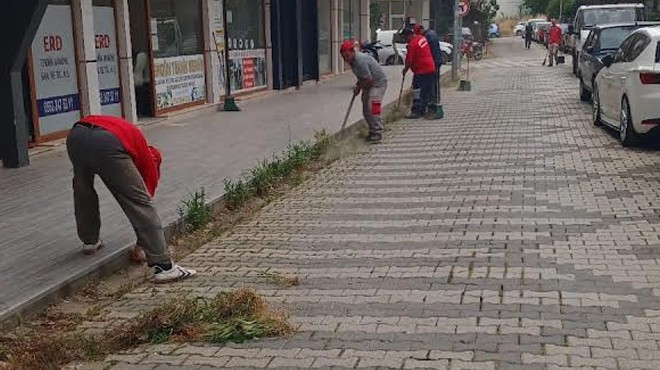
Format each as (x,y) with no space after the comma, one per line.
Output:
(372,82)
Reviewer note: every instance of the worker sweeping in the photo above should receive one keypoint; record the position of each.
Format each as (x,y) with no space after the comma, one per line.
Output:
(420,59)
(372,82)
(554,39)
(434,44)
(117,152)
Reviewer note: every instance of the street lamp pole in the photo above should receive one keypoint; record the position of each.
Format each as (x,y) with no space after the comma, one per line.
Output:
(456,42)
(230,103)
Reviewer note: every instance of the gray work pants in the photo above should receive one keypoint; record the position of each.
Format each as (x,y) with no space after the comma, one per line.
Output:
(95,151)
(372,100)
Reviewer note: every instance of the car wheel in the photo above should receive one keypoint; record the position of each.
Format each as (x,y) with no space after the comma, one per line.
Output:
(595,107)
(575,63)
(584,93)
(444,57)
(392,60)
(518,33)
(627,133)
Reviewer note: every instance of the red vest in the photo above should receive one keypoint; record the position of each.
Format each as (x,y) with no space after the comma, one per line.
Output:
(419,57)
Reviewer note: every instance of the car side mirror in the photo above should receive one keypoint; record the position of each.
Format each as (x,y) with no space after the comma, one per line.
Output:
(608,60)
(589,49)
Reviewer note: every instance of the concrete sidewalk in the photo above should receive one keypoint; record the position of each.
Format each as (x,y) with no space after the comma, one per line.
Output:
(39,250)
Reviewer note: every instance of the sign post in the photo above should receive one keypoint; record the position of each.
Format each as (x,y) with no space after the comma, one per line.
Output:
(461,9)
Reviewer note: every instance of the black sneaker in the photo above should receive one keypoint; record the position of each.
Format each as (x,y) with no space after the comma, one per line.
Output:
(375,138)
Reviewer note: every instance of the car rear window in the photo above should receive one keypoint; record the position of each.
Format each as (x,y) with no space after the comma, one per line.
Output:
(597,16)
(611,38)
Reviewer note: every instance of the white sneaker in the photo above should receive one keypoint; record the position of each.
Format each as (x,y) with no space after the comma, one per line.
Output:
(93,248)
(176,273)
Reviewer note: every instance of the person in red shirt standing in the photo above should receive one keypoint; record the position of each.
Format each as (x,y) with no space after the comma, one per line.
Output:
(419,59)
(554,39)
(116,151)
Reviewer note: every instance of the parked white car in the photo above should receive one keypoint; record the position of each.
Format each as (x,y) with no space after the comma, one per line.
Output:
(519,28)
(627,90)
(387,56)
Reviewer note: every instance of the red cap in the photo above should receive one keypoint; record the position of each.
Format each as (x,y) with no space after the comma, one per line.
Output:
(155,153)
(346,46)
(418,28)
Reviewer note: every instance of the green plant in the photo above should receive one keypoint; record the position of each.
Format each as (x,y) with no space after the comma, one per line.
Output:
(236,193)
(266,175)
(194,211)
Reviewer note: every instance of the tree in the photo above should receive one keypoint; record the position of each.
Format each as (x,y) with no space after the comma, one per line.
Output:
(536,6)
(567,7)
(375,17)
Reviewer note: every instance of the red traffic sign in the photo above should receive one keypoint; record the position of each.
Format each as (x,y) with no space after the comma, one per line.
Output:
(463,8)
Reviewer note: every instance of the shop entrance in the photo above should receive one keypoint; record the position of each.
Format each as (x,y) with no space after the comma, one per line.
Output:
(141,54)
(288,36)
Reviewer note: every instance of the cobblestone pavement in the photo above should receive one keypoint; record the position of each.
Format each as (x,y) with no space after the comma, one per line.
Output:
(513,234)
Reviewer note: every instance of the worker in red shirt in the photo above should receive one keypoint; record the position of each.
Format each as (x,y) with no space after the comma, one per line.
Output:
(419,59)
(554,39)
(117,152)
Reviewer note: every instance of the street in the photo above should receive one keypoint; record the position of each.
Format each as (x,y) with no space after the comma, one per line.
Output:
(512,234)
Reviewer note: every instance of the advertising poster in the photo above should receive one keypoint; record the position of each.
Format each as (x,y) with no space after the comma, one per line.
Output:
(54,71)
(247,69)
(179,80)
(107,60)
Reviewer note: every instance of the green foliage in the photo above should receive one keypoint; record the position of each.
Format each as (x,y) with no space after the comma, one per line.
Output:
(536,6)
(375,15)
(194,211)
(567,12)
(266,174)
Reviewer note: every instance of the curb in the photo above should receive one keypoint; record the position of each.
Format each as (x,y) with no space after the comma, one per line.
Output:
(119,259)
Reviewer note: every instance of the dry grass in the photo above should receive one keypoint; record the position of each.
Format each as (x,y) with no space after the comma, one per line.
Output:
(281,279)
(234,316)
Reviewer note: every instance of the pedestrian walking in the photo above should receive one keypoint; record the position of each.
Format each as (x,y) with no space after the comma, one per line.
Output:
(434,44)
(529,30)
(372,82)
(419,59)
(117,152)
(554,39)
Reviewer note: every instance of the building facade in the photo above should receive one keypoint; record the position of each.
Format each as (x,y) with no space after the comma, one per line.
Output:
(150,58)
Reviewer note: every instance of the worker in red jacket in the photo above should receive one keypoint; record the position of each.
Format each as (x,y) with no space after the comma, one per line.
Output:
(419,59)
(117,152)
(554,39)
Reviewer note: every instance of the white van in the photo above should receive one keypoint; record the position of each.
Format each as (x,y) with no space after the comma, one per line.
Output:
(588,16)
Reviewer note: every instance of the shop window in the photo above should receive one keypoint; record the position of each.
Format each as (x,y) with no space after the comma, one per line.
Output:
(107,57)
(325,43)
(53,74)
(177,48)
(176,27)
(247,44)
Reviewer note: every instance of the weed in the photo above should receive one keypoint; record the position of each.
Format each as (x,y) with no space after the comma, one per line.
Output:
(236,193)
(194,211)
(234,316)
(279,279)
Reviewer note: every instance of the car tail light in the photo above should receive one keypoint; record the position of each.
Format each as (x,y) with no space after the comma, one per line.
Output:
(651,122)
(648,78)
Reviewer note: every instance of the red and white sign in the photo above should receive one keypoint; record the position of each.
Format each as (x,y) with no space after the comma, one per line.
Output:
(463,8)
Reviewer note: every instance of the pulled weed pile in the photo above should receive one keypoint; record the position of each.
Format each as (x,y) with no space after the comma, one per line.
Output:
(234,316)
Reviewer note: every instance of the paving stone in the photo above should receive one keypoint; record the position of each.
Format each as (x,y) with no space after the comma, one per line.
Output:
(512,234)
